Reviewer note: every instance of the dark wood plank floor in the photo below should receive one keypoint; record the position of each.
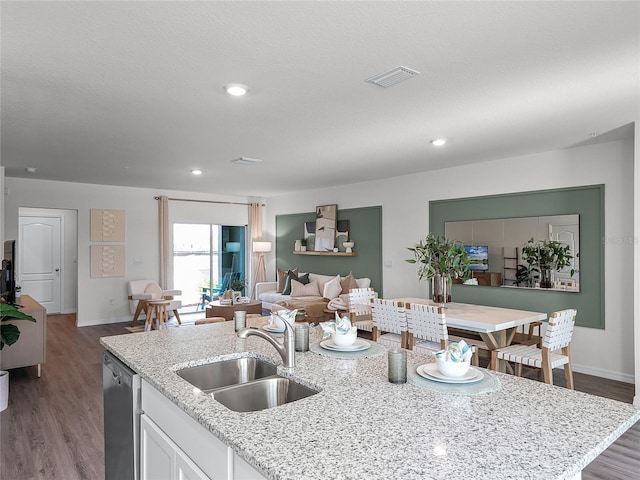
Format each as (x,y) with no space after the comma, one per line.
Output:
(53,427)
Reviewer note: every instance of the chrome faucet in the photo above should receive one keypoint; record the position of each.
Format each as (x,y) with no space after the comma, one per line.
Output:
(286,350)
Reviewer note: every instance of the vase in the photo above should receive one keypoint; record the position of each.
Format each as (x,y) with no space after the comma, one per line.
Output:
(545,278)
(441,289)
(297,246)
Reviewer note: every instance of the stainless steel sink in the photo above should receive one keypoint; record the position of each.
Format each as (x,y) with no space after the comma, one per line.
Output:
(236,371)
(262,394)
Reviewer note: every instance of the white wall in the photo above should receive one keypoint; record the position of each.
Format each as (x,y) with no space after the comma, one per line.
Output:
(104,300)
(405,219)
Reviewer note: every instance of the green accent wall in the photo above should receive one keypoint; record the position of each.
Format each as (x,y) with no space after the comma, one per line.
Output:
(365,225)
(587,201)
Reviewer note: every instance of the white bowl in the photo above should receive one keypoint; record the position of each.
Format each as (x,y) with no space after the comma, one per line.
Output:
(453,369)
(344,339)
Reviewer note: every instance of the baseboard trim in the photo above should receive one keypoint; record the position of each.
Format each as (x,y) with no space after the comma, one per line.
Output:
(598,372)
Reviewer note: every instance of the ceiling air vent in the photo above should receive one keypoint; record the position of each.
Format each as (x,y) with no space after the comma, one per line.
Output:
(246,161)
(393,76)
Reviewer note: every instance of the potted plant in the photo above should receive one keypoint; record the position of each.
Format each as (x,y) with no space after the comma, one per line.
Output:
(303,245)
(9,334)
(545,257)
(440,260)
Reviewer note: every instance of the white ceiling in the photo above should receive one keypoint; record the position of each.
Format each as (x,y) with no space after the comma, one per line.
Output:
(130,93)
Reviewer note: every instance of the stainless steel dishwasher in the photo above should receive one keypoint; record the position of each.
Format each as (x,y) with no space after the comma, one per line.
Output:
(122,397)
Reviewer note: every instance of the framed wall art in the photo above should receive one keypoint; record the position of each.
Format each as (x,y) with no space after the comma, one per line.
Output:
(326,222)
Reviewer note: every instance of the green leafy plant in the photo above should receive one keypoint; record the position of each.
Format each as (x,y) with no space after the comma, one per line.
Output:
(238,284)
(547,255)
(10,333)
(438,256)
(303,242)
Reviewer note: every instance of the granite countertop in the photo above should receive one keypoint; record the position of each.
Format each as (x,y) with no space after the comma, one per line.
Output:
(361,426)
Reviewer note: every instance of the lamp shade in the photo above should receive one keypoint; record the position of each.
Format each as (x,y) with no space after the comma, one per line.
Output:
(261,247)
(233,247)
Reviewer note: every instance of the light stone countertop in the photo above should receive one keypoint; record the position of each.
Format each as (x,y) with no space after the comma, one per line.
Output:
(360,426)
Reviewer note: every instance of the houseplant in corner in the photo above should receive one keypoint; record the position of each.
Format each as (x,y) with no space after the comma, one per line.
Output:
(546,257)
(9,334)
(440,261)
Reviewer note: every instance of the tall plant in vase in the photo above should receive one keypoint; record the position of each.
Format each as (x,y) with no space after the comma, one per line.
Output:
(441,261)
(546,257)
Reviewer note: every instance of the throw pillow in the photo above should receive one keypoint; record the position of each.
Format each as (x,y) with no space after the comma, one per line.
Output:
(282,277)
(304,279)
(299,289)
(332,288)
(348,283)
(154,289)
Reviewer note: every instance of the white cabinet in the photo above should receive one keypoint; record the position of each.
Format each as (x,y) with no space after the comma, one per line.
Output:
(161,458)
(203,455)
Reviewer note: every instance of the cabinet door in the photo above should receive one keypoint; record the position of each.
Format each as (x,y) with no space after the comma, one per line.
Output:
(158,453)
(187,470)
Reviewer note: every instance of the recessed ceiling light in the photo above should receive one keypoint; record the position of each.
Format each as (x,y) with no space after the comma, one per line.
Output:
(30,170)
(438,142)
(236,89)
(196,171)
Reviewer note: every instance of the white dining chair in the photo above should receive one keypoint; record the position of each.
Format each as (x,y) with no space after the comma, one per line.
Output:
(428,333)
(360,308)
(389,319)
(555,351)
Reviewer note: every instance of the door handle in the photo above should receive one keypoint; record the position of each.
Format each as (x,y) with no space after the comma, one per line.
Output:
(57,269)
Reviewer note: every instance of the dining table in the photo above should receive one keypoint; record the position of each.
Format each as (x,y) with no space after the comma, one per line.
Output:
(496,325)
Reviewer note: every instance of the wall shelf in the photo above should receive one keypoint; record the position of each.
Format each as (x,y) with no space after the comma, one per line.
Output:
(328,254)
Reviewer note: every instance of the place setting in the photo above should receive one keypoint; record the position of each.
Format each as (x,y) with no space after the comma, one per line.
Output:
(452,372)
(340,340)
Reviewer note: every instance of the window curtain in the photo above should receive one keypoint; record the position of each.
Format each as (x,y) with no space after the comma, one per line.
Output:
(166,279)
(255,235)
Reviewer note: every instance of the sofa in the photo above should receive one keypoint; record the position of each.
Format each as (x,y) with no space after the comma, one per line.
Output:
(319,295)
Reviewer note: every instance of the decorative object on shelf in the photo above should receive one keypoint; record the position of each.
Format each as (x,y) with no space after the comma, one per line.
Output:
(303,245)
(342,234)
(441,261)
(546,257)
(310,234)
(227,298)
(348,246)
(326,222)
(297,246)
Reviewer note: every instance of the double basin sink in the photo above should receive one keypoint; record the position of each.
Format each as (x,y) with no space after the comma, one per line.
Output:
(245,384)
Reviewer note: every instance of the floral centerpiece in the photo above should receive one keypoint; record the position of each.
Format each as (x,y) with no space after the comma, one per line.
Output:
(545,257)
(440,260)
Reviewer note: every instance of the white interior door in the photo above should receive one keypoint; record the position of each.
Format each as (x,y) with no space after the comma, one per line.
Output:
(39,259)
(568,235)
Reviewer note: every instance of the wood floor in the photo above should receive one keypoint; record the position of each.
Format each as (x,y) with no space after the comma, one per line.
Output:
(53,427)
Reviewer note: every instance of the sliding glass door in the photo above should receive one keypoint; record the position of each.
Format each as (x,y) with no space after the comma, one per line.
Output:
(207,259)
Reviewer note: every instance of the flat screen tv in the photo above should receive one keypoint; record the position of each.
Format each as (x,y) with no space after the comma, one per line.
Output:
(8,280)
(479,256)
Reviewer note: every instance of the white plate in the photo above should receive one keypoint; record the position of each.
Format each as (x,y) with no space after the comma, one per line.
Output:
(357,346)
(272,329)
(430,371)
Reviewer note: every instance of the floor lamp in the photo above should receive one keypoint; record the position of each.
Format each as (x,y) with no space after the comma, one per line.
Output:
(261,269)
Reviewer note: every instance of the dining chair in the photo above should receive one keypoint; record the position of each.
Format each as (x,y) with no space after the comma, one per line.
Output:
(389,319)
(360,307)
(555,351)
(428,333)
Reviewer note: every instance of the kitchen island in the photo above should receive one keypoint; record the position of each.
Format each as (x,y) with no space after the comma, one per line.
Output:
(359,426)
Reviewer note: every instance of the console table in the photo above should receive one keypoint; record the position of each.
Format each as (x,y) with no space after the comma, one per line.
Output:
(31,347)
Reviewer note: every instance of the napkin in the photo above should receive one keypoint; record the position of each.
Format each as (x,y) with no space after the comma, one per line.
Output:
(340,326)
(288,316)
(456,352)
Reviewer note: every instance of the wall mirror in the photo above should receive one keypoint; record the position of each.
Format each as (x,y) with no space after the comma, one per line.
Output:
(495,247)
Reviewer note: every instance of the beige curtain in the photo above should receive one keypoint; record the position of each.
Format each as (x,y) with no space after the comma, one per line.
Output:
(255,235)
(166,279)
